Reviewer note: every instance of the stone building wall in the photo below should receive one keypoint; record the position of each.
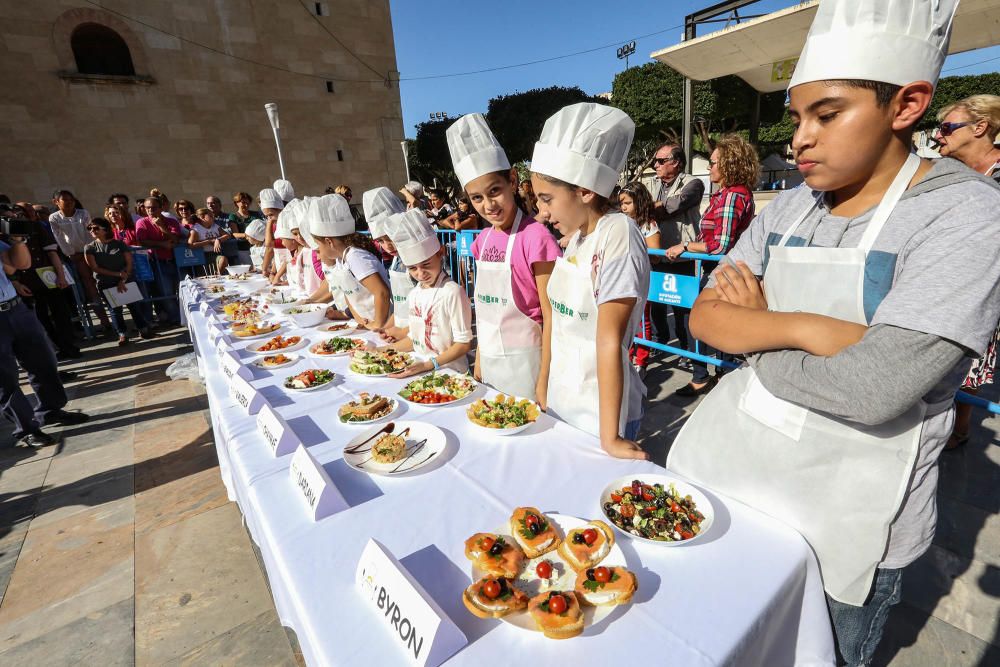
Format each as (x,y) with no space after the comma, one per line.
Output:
(192,121)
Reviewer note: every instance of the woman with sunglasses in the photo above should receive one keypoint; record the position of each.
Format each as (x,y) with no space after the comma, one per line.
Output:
(111,262)
(967,133)
(185,214)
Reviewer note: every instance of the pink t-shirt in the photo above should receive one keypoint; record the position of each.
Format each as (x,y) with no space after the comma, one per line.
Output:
(533,243)
(146,229)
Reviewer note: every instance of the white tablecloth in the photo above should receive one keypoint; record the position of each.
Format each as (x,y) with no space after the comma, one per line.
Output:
(748,594)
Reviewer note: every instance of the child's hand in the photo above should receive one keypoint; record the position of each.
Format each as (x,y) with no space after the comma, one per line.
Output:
(386,336)
(413,369)
(620,448)
(739,286)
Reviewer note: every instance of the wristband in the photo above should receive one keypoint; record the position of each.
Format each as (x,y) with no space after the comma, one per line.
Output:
(435,363)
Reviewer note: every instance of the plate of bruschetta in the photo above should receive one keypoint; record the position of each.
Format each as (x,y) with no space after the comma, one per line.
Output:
(548,573)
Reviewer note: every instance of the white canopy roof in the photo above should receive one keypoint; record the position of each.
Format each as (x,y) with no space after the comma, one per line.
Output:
(762,51)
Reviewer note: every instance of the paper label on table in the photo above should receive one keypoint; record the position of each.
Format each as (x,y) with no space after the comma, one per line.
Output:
(231,366)
(278,435)
(415,623)
(222,345)
(204,308)
(246,396)
(315,487)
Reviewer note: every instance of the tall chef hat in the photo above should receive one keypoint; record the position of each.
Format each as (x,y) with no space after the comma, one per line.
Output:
(586,145)
(329,215)
(284,189)
(413,236)
(379,204)
(892,41)
(474,149)
(257,230)
(286,218)
(270,199)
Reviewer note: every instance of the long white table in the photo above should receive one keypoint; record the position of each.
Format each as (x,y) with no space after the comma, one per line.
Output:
(749,594)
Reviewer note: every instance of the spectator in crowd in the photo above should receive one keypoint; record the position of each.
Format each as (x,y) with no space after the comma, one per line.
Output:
(229,246)
(120,199)
(636,202)
(413,195)
(162,235)
(121,223)
(529,198)
(214,204)
(734,167)
(164,203)
(111,262)
(20,333)
(185,214)
(440,208)
(238,223)
(139,211)
(968,132)
(344,191)
(69,227)
(208,235)
(677,202)
(47,295)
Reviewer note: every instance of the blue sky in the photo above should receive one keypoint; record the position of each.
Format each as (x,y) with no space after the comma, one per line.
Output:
(447,36)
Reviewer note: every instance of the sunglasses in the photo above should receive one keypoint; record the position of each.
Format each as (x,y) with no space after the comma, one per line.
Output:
(183,208)
(947,129)
(664,160)
(94,228)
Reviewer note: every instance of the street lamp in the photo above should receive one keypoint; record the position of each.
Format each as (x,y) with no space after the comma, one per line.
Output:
(272,116)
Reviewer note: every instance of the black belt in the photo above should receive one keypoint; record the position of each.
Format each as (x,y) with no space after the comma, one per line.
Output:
(8,305)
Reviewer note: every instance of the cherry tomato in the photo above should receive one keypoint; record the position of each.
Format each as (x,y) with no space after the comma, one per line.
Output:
(544,569)
(674,507)
(590,536)
(602,574)
(486,543)
(647,494)
(530,519)
(616,497)
(686,534)
(491,589)
(558,604)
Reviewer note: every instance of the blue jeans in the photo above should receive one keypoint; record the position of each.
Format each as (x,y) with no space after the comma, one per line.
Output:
(165,287)
(858,630)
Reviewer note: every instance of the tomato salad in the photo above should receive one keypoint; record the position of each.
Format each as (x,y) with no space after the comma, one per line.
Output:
(654,512)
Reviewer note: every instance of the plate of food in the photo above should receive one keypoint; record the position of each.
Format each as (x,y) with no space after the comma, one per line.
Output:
(367,409)
(342,328)
(307,315)
(237,269)
(336,347)
(278,344)
(438,388)
(657,509)
(379,363)
(255,329)
(503,415)
(396,448)
(276,361)
(309,379)
(548,573)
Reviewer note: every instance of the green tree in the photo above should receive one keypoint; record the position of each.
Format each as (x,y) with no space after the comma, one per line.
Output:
(429,157)
(517,119)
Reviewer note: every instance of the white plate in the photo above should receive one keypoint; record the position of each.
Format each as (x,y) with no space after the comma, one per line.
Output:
(436,443)
(293,359)
(340,333)
(475,386)
(312,388)
(252,347)
(320,355)
(501,431)
(374,375)
(701,503)
(395,408)
(563,576)
(269,334)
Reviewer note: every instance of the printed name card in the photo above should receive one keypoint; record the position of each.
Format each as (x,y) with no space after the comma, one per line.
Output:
(204,308)
(215,334)
(278,435)
(315,486)
(419,628)
(246,396)
(222,345)
(232,367)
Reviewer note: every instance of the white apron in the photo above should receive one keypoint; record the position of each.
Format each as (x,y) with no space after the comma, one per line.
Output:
(281,257)
(257,257)
(839,484)
(510,342)
(401,284)
(572,393)
(350,288)
(423,313)
(293,272)
(310,280)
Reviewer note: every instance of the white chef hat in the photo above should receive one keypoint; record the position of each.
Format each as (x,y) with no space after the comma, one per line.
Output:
(474,149)
(891,41)
(329,215)
(270,199)
(256,230)
(414,188)
(288,215)
(379,204)
(413,236)
(284,189)
(585,145)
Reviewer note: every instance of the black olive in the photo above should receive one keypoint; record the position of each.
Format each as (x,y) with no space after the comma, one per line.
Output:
(496,549)
(636,482)
(578,538)
(611,513)
(590,574)
(609,507)
(626,521)
(503,584)
(552,594)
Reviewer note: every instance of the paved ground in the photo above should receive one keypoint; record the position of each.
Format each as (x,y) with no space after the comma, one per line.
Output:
(118,545)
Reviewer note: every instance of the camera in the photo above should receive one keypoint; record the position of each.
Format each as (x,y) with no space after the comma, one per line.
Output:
(13,222)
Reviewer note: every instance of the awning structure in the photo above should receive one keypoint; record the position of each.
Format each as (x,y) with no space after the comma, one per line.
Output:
(763,51)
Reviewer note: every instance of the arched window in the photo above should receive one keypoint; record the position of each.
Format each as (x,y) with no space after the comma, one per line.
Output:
(100,50)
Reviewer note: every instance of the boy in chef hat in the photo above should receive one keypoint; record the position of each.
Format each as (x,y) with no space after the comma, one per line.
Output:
(255,233)
(514,259)
(356,277)
(380,206)
(598,288)
(851,373)
(440,315)
(270,205)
